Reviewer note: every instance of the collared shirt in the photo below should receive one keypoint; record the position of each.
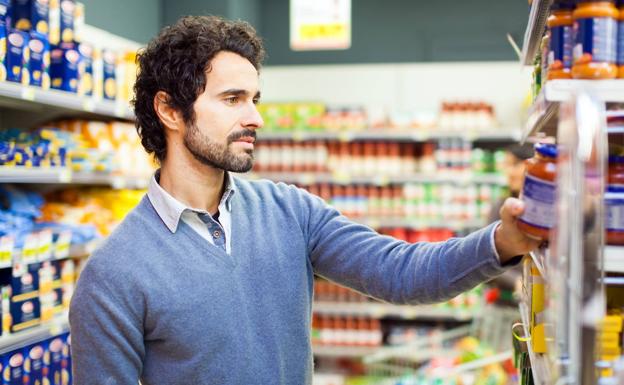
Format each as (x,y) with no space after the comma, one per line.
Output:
(171,211)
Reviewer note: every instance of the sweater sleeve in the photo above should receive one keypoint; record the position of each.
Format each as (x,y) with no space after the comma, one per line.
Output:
(107,332)
(392,270)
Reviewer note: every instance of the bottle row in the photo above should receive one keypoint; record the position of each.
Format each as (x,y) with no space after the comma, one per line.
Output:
(376,158)
(422,201)
(452,116)
(42,46)
(346,331)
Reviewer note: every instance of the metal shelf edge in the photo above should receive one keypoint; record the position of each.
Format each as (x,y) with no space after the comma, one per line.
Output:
(36,334)
(614,259)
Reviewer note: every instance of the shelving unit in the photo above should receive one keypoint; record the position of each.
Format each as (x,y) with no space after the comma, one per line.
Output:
(614,259)
(379,180)
(64,175)
(415,224)
(380,310)
(534,30)
(33,335)
(75,251)
(396,135)
(343,351)
(539,365)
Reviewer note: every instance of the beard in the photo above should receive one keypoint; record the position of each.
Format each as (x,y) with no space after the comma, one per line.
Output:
(218,155)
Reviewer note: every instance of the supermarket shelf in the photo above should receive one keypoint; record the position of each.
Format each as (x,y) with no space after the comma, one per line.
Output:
(543,114)
(14,95)
(343,351)
(75,251)
(36,334)
(534,30)
(381,310)
(614,259)
(390,134)
(539,257)
(63,175)
(415,224)
(539,363)
(307,178)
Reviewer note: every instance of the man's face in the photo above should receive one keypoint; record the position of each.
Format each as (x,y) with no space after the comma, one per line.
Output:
(226,118)
(514,168)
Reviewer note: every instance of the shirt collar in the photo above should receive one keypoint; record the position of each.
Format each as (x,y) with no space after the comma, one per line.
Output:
(170,209)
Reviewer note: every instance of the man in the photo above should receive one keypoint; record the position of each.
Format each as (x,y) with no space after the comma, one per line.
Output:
(210,279)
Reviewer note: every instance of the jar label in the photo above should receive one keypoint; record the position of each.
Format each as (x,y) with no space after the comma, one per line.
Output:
(614,207)
(596,40)
(620,44)
(561,43)
(539,198)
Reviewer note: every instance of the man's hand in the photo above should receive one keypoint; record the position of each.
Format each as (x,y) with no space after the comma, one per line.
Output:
(508,238)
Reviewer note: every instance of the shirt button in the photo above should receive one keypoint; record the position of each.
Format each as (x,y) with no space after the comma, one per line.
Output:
(216,234)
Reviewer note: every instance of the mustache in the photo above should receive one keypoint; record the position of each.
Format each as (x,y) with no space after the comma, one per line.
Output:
(241,134)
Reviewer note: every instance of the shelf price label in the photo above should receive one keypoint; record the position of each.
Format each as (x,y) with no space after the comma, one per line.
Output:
(320,24)
(28,93)
(65,176)
(61,247)
(88,105)
(7,243)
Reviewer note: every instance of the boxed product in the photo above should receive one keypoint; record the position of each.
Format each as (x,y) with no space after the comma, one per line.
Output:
(51,304)
(64,71)
(39,63)
(109,66)
(66,374)
(24,282)
(85,84)
(54,16)
(17,57)
(34,364)
(31,15)
(13,368)
(25,314)
(68,8)
(4,23)
(54,360)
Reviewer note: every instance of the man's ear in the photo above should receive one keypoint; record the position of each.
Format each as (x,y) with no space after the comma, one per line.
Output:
(170,117)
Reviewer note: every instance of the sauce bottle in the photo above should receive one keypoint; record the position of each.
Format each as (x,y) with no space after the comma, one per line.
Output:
(561,28)
(595,28)
(614,201)
(620,40)
(539,193)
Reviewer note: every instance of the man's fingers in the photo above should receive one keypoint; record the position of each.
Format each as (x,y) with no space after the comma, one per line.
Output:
(511,209)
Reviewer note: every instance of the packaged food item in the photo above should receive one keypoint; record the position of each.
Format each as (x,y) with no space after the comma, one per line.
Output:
(53,361)
(25,314)
(539,192)
(54,20)
(64,62)
(33,364)
(4,23)
(614,201)
(620,41)
(561,29)
(79,22)
(85,84)
(109,64)
(595,28)
(68,8)
(18,57)
(13,365)
(39,64)
(31,15)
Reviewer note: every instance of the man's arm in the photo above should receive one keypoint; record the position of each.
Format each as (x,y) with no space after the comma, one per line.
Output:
(107,332)
(397,271)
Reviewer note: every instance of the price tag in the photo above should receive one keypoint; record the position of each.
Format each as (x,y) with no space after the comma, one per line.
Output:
(342,178)
(410,312)
(65,176)
(418,136)
(378,311)
(298,136)
(374,223)
(45,245)
(121,109)
(31,248)
(307,178)
(118,182)
(7,243)
(345,136)
(88,105)
(56,329)
(91,246)
(382,180)
(63,242)
(28,93)
(19,268)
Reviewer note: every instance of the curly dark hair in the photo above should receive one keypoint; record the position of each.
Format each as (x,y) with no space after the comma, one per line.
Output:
(176,62)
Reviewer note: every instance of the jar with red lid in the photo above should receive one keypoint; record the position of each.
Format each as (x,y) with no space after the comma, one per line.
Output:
(539,193)
(614,201)
(561,32)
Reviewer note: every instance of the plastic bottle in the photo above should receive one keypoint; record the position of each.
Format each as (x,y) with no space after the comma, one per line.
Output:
(561,26)
(614,201)
(595,28)
(539,192)
(620,40)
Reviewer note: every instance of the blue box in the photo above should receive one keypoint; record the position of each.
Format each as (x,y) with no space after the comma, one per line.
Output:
(25,282)
(85,85)
(5,14)
(25,314)
(67,20)
(31,15)
(3,38)
(64,71)
(39,63)
(17,52)
(109,86)
(13,368)
(34,364)
(54,360)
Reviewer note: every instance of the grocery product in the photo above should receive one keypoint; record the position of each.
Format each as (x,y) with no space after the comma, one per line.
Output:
(620,40)
(17,57)
(595,28)
(64,71)
(614,201)
(538,193)
(30,15)
(109,60)
(561,25)
(39,62)
(67,9)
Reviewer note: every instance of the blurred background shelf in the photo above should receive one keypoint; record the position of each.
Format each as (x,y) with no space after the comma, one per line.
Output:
(614,259)
(14,341)
(379,310)
(398,135)
(63,175)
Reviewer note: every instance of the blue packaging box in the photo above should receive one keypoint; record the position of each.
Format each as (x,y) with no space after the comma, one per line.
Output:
(3,38)
(25,282)
(39,63)
(25,314)
(31,15)
(5,13)
(54,361)
(16,57)
(109,59)
(86,69)
(34,364)
(13,368)
(64,63)
(67,20)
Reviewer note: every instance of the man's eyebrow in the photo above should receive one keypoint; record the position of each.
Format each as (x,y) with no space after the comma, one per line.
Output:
(237,92)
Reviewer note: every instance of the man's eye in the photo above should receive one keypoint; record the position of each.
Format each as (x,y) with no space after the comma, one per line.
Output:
(256,101)
(232,100)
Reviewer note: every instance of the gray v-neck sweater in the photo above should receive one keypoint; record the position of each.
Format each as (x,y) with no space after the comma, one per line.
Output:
(170,308)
